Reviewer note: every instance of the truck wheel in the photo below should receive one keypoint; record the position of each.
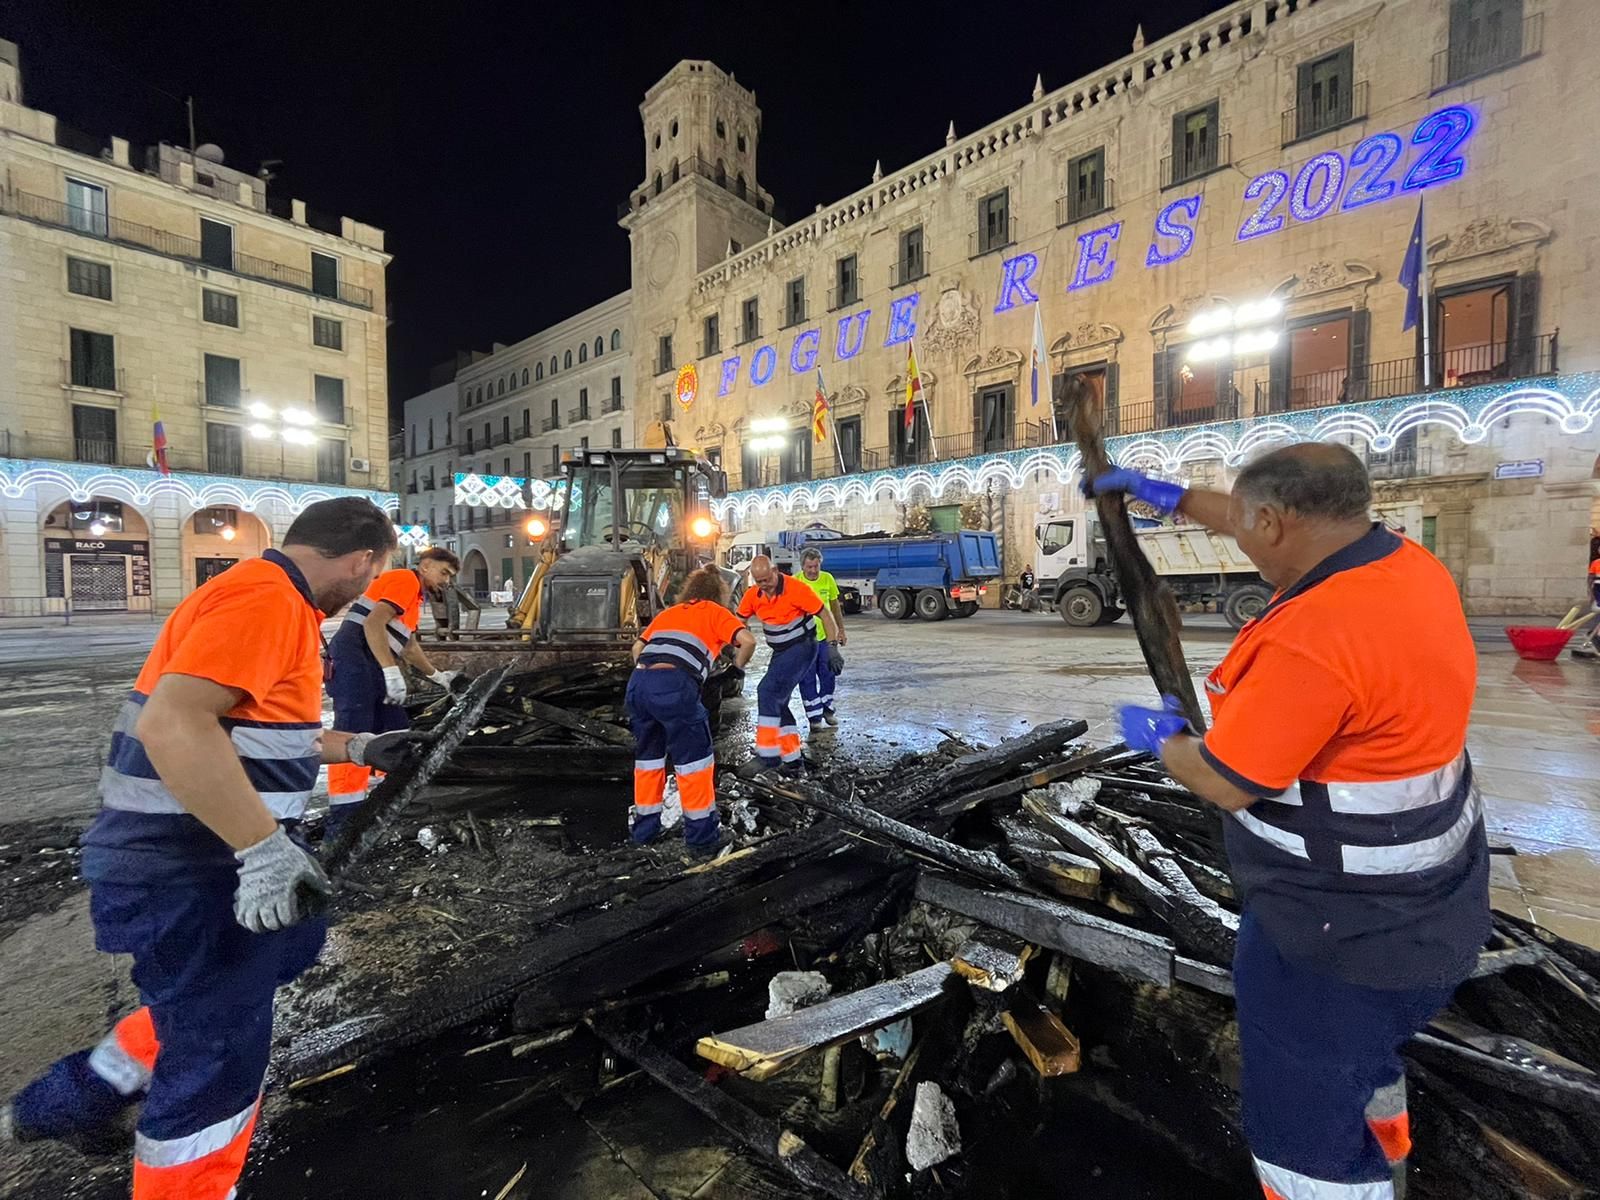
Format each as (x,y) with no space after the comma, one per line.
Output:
(1081,606)
(1245,603)
(931,605)
(894,604)
(966,608)
(1111,616)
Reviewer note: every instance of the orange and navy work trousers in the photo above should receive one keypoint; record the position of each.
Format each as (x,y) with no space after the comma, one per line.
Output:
(1324,1094)
(194,1054)
(777,734)
(357,689)
(670,722)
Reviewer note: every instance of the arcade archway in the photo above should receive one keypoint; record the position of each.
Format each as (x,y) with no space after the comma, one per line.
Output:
(214,539)
(97,556)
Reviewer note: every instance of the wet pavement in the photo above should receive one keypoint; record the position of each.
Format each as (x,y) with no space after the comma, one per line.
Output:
(1535,739)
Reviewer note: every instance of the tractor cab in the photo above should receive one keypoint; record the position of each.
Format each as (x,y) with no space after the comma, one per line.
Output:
(634,524)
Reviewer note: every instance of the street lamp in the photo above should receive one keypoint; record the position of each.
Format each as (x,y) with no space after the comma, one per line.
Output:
(287,426)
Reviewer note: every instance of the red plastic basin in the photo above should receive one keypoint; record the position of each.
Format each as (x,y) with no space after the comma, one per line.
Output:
(1538,643)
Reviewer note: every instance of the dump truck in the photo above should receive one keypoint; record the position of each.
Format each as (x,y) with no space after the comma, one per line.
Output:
(632,525)
(933,575)
(1073,570)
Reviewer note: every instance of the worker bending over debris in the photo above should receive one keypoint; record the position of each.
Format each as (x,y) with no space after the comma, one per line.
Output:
(1338,745)
(817,684)
(365,681)
(675,655)
(190,865)
(788,611)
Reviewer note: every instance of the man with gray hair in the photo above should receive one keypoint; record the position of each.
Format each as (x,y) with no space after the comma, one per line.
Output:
(1356,839)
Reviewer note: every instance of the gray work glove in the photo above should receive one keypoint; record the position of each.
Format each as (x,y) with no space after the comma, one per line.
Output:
(271,873)
(835,659)
(394,685)
(385,751)
(444,678)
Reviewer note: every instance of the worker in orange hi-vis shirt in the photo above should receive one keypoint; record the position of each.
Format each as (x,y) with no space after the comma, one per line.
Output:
(1592,650)
(789,612)
(1355,829)
(191,866)
(674,657)
(365,681)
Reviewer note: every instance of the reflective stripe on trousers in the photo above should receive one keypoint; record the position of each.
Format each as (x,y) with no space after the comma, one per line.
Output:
(199,1166)
(126,1056)
(1279,1183)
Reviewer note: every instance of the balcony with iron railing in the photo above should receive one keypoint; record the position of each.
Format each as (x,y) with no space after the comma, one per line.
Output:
(1080,204)
(825,462)
(93,375)
(613,404)
(1191,163)
(94,224)
(908,270)
(794,314)
(576,416)
(1325,112)
(988,240)
(1487,47)
(549,424)
(844,297)
(749,331)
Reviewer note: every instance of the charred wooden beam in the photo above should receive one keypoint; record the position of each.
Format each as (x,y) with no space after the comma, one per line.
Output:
(1045,862)
(780,1146)
(1120,948)
(1558,1089)
(994,960)
(1070,768)
(614,735)
(762,1050)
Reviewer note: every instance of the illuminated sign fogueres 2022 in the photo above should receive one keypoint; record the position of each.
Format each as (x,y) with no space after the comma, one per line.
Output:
(1324,184)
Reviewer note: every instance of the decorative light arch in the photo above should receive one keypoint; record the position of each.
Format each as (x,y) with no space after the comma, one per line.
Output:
(80,482)
(1572,401)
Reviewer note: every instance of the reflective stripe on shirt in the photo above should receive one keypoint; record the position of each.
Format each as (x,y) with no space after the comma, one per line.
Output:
(779,636)
(678,648)
(361,609)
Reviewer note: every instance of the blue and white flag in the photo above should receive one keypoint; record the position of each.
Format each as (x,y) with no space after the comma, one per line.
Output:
(1039,369)
(1412,272)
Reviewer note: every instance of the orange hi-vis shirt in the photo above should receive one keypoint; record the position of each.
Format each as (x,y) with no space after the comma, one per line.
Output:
(1345,707)
(402,588)
(787,617)
(253,628)
(690,636)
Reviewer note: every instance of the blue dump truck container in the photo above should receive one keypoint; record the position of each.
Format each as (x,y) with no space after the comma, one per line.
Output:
(935,576)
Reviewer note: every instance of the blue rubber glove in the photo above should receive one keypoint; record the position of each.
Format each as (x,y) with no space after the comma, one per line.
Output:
(1148,729)
(1159,494)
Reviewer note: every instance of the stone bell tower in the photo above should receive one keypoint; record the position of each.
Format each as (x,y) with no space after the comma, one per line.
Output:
(699,201)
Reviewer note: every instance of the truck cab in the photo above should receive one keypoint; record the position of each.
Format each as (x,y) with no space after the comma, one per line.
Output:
(1073,570)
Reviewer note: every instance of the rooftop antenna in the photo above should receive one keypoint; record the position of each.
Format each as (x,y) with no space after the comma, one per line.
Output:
(188,103)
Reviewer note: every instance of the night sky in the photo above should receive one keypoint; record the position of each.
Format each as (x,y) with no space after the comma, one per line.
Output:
(494,142)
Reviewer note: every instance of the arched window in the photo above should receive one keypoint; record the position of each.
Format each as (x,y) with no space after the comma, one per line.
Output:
(722,129)
(740,141)
(674,131)
(674,170)
(583,352)
(479,400)
(658,141)
(502,391)
(555,412)
(599,347)
(722,174)
(566,361)
(524,376)
(616,339)
(738,185)
(552,364)
(538,371)
(658,183)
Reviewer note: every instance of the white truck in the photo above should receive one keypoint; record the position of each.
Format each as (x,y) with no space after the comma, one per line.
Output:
(1072,569)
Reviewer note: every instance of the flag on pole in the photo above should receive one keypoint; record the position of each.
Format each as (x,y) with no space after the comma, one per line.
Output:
(913,392)
(158,444)
(819,413)
(1412,272)
(1039,371)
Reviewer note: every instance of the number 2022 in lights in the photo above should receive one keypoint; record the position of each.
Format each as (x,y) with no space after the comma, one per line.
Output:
(1368,176)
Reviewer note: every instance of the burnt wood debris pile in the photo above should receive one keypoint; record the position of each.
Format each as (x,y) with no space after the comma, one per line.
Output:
(977,944)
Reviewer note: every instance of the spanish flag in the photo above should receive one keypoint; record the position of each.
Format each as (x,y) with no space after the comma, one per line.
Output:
(819,413)
(913,392)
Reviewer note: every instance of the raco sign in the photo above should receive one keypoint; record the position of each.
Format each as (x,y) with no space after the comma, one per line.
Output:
(1325,186)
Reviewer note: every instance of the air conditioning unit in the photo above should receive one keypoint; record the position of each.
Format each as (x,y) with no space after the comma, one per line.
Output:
(361,464)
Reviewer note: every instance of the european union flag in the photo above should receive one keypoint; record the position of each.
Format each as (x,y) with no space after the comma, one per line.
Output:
(1411,273)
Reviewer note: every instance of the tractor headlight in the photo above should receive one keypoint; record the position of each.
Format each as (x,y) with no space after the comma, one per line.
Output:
(703,527)
(536,527)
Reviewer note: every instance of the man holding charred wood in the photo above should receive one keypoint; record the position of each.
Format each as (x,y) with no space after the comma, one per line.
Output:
(191,865)
(1338,749)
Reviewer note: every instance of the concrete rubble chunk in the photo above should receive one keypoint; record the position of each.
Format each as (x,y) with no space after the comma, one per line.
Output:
(788,991)
(934,1135)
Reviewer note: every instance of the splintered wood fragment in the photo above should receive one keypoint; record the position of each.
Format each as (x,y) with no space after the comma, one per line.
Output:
(1052,773)
(1164,866)
(1208,879)
(322,1078)
(565,717)
(1543,1178)
(511,1183)
(994,960)
(1041,1036)
(1048,923)
(1045,862)
(1550,1086)
(766,1137)
(760,1051)
(1203,975)
(859,1171)
(1084,840)
(1133,798)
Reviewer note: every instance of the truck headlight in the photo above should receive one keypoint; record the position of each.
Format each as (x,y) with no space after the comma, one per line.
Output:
(702,527)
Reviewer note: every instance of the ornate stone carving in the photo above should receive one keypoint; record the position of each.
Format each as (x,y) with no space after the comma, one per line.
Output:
(708,434)
(1180,313)
(851,396)
(1001,361)
(1325,276)
(955,322)
(1484,235)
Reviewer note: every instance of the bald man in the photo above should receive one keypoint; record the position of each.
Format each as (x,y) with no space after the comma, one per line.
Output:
(1355,830)
(790,613)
